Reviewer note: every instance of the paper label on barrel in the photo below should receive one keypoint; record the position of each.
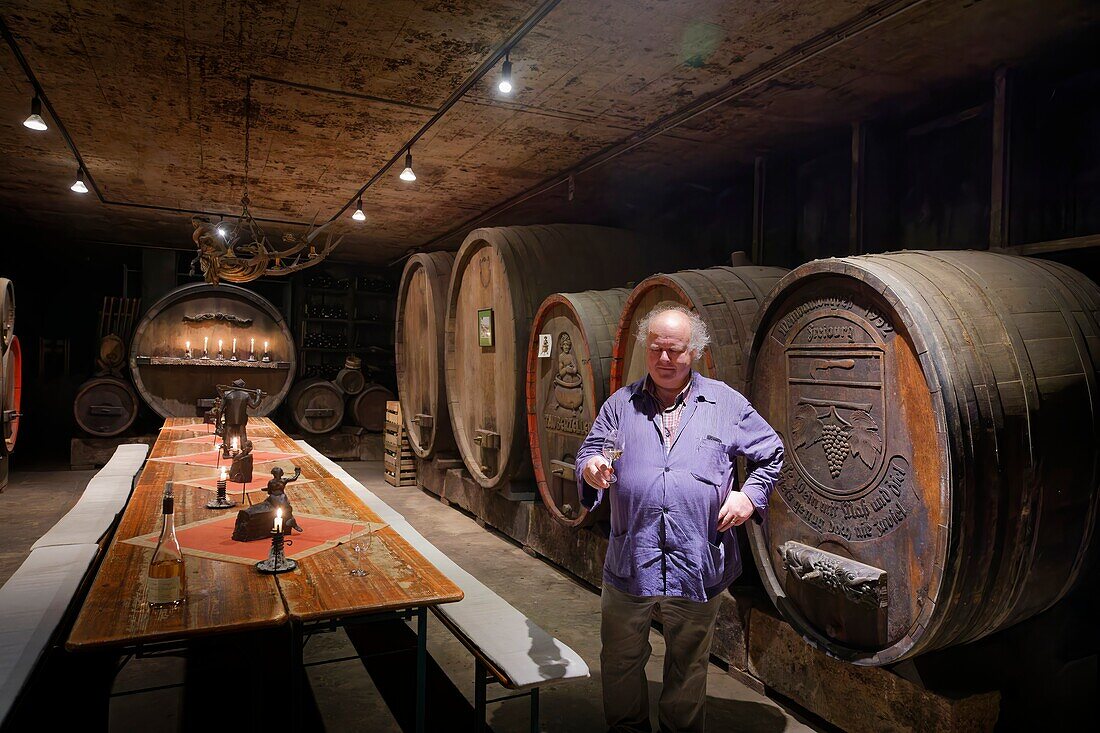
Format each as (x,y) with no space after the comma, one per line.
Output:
(546,344)
(163,590)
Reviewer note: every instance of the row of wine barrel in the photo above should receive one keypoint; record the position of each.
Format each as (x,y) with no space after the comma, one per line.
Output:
(939,411)
(319,406)
(11,378)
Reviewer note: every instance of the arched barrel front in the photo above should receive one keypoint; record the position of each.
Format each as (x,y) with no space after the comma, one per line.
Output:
(568,372)
(939,411)
(501,275)
(418,349)
(726,298)
(176,384)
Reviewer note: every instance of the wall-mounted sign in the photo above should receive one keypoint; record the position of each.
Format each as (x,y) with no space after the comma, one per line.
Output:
(485,327)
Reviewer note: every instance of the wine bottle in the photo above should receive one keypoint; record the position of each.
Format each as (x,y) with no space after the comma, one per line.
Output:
(166,577)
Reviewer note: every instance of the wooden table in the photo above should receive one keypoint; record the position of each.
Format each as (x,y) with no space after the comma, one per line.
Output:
(231,597)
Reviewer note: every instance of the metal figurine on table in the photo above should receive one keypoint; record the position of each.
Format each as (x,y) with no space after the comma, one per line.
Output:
(236,401)
(255,522)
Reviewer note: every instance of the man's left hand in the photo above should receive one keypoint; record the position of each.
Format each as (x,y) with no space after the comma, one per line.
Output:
(735,511)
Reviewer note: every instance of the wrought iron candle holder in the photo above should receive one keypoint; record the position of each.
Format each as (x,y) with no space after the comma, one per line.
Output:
(233,357)
(252,356)
(266,359)
(277,561)
(187,351)
(221,501)
(221,356)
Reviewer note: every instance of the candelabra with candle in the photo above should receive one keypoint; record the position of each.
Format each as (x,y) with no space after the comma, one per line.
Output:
(221,501)
(186,349)
(277,561)
(252,349)
(266,357)
(220,354)
(205,347)
(233,356)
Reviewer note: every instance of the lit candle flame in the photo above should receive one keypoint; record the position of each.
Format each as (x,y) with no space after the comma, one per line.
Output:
(225,474)
(234,445)
(278,520)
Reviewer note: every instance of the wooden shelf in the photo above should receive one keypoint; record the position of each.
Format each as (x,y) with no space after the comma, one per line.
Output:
(174,361)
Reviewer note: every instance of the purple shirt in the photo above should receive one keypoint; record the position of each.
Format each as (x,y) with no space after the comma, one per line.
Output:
(664,508)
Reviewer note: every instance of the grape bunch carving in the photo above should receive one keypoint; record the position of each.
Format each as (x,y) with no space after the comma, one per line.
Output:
(857,436)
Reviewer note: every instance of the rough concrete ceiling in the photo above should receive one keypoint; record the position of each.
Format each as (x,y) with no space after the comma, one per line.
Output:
(170,103)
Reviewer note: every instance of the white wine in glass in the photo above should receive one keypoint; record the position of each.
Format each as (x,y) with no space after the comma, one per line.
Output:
(613,449)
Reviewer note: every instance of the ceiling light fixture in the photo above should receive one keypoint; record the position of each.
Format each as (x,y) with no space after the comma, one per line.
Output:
(407,174)
(79,186)
(35,121)
(359,215)
(223,232)
(505,85)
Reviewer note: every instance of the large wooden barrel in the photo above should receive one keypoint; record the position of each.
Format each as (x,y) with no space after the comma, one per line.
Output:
(11,393)
(726,298)
(940,416)
(105,406)
(7,312)
(500,277)
(316,405)
(368,408)
(418,347)
(175,386)
(568,372)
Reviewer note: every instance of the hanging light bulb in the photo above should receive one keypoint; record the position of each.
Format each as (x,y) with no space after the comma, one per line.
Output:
(407,174)
(359,215)
(223,232)
(35,121)
(505,85)
(79,186)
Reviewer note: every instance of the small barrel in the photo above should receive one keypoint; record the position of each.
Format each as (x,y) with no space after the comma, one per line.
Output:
(726,298)
(350,379)
(316,405)
(941,418)
(368,408)
(7,312)
(105,406)
(501,275)
(418,349)
(568,372)
(112,352)
(11,393)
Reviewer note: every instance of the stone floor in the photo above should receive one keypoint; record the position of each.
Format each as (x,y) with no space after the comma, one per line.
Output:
(344,691)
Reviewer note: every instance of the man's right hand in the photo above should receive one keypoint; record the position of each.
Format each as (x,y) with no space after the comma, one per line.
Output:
(597,472)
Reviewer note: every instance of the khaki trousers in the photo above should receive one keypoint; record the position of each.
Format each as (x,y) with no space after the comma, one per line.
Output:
(688,628)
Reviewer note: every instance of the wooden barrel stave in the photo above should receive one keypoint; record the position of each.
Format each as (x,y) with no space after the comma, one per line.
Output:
(726,298)
(368,408)
(998,356)
(590,318)
(316,405)
(105,406)
(186,389)
(418,347)
(520,266)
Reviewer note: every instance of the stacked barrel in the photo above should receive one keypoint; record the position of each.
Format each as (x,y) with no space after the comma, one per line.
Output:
(941,417)
(11,378)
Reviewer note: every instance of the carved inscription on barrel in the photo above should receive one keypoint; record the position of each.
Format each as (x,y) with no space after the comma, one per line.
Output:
(568,372)
(938,412)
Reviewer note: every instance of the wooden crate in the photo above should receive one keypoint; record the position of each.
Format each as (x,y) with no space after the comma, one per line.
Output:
(397,457)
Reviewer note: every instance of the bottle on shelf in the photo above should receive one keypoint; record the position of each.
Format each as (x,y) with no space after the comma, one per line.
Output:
(165,582)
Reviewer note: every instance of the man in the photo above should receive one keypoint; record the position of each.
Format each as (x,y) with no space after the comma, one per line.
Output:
(673,510)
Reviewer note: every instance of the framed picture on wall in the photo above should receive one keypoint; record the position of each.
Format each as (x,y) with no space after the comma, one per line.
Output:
(485,327)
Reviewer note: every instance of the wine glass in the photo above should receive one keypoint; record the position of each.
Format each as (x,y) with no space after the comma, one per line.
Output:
(360,546)
(613,449)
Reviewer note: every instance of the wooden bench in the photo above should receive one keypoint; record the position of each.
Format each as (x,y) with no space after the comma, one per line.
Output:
(101,503)
(509,649)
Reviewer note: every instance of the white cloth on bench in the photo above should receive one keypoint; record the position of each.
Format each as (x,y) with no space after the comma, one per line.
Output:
(32,604)
(102,501)
(514,644)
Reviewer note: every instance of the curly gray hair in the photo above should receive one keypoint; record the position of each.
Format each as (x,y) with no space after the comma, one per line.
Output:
(700,334)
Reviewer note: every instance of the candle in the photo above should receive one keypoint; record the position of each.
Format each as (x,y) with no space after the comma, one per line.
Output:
(234,346)
(278,520)
(187,345)
(265,346)
(234,446)
(225,474)
(205,342)
(252,344)
(219,344)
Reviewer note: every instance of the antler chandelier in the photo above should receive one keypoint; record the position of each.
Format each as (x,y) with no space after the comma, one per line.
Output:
(239,252)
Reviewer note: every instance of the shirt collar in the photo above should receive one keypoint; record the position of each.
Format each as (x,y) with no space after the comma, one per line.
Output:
(696,386)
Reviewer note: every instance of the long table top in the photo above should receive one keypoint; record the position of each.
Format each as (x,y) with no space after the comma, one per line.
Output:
(228,596)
